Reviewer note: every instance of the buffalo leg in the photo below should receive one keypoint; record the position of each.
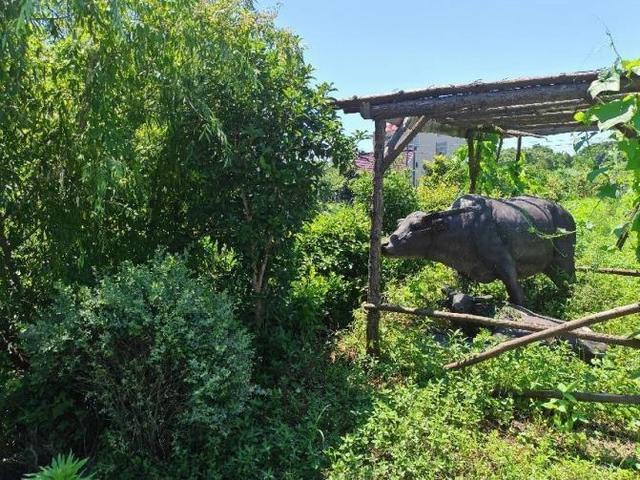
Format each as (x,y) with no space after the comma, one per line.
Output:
(506,272)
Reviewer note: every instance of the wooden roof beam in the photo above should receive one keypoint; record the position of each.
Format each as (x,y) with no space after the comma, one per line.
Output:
(567,128)
(481,101)
(527,119)
(434,107)
(352,105)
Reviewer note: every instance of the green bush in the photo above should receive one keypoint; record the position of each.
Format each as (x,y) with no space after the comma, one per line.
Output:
(149,368)
(445,179)
(152,123)
(337,240)
(319,301)
(399,196)
(334,251)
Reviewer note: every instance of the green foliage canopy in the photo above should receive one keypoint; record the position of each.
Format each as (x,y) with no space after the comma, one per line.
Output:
(399,196)
(125,125)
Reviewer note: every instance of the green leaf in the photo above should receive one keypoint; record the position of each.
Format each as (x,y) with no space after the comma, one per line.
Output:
(631,148)
(635,221)
(608,190)
(621,229)
(608,81)
(581,117)
(593,174)
(614,113)
(584,138)
(631,66)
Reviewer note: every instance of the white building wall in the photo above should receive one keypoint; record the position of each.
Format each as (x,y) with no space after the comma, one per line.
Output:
(427,146)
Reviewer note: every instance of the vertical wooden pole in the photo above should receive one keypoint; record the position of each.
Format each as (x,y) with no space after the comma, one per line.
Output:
(474,163)
(519,149)
(373,293)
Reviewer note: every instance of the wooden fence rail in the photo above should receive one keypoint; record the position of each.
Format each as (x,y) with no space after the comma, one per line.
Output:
(494,322)
(625,272)
(544,334)
(579,396)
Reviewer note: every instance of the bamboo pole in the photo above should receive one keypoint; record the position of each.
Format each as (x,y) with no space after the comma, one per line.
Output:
(544,334)
(500,131)
(520,120)
(373,292)
(556,129)
(494,322)
(519,150)
(492,115)
(579,396)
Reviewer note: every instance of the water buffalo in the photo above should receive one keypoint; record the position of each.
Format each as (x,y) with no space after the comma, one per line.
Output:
(487,239)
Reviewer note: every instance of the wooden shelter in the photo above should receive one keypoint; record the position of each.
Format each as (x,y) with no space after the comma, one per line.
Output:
(535,106)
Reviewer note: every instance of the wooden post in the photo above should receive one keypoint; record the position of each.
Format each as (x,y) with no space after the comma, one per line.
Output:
(519,150)
(373,293)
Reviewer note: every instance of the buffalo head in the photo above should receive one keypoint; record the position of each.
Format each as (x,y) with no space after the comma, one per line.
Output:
(415,233)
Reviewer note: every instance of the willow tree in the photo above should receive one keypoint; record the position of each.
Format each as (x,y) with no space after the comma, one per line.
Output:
(129,124)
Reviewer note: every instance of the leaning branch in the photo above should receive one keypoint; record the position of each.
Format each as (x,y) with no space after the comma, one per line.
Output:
(403,141)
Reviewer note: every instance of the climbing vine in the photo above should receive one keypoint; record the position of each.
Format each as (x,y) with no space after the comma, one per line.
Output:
(620,115)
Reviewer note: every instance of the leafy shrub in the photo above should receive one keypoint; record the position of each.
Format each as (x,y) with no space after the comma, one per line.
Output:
(62,468)
(307,401)
(405,423)
(149,367)
(334,250)
(399,196)
(337,240)
(445,179)
(319,301)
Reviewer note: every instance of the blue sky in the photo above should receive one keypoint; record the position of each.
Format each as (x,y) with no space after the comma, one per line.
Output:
(438,42)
